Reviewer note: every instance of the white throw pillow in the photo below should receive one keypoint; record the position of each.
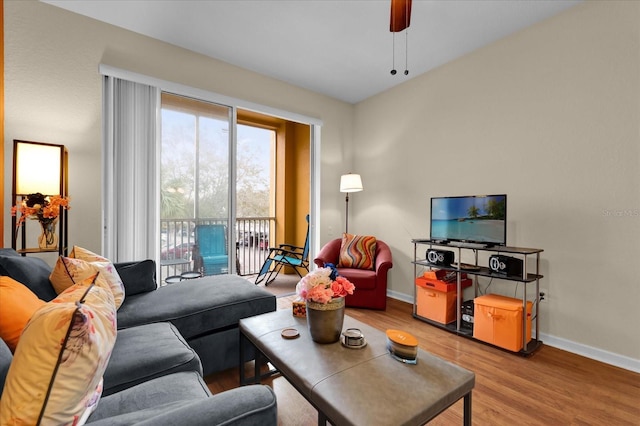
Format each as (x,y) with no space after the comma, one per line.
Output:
(82,264)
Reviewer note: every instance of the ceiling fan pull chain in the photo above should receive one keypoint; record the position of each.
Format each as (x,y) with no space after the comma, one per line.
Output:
(406,38)
(393,55)
(406,52)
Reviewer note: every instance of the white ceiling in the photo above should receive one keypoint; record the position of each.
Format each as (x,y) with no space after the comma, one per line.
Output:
(341,48)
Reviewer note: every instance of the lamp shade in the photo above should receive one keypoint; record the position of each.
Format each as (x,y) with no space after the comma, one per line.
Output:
(37,168)
(350,183)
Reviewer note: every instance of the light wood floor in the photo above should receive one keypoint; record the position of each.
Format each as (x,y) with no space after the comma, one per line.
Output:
(551,387)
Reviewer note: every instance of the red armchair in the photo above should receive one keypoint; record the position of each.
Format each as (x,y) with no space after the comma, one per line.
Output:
(371,285)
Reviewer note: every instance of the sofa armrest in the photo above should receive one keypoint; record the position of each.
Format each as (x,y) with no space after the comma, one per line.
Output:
(255,404)
(384,258)
(330,253)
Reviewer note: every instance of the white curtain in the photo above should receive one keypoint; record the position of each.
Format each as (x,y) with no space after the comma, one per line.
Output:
(130,201)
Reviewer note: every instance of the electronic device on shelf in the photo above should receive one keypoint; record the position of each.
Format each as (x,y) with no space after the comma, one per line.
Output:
(440,257)
(451,276)
(474,219)
(466,266)
(506,265)
(467,309)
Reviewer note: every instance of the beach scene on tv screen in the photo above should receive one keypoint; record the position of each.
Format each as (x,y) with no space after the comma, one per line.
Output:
(477,219)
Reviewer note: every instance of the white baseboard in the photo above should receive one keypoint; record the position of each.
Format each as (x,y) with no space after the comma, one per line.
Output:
(593,353)
(590,352)
(400,296)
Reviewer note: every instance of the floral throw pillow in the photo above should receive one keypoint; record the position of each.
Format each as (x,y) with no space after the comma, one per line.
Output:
(357,251)
(56,373)
(84,254)
(82,264)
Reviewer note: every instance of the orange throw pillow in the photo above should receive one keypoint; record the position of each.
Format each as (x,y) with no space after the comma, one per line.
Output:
(18,305)
(357,251)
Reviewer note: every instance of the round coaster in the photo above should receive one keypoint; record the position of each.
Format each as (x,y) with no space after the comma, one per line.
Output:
(290,333)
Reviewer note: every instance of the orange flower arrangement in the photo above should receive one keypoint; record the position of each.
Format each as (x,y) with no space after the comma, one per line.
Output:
(39,207)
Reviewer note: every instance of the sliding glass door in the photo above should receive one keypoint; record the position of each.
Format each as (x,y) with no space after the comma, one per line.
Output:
(195,185)
(179,161)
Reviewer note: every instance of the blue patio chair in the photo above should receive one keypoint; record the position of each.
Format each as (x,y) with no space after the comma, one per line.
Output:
(284,255)
(210,254)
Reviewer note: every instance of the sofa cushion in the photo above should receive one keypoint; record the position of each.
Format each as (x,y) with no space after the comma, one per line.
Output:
(33,272)
(199,306)
(138,277)
(147,351)
(69,270)
(56,373)
(357,251)
(362,279)
(5,251)
(17,305)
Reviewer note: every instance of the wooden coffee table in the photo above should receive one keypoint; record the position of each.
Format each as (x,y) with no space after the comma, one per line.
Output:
(357,386)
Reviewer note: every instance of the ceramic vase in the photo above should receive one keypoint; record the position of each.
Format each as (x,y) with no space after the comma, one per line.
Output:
(325,320)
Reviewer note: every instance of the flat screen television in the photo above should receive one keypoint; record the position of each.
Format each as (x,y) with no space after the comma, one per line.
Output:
(478,219)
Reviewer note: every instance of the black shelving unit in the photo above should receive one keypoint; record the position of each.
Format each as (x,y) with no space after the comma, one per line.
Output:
(527,277)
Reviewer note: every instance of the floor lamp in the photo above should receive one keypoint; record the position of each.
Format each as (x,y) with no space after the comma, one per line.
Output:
(39,168)
(349,183)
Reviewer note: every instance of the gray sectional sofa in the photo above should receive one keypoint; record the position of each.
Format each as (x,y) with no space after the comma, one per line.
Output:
(167,338)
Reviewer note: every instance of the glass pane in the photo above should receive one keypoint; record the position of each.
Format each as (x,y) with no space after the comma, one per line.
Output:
(255,196)
(254,171)
(177,165)
(213,169)
(194,179)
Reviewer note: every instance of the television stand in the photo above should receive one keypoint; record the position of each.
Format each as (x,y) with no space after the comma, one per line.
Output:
(530,280)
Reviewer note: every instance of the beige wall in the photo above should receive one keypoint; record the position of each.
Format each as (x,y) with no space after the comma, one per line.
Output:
(549,116)
(54,92)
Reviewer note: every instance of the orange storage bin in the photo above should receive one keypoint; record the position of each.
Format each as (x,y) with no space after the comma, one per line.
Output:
(498,320)
(436,300)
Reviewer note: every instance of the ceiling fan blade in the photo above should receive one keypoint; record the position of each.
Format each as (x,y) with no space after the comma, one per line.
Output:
(400,15)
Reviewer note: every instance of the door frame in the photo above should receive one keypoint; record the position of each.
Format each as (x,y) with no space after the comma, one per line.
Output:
(314,124)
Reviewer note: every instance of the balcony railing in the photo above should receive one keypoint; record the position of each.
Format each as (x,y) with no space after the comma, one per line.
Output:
(252,236)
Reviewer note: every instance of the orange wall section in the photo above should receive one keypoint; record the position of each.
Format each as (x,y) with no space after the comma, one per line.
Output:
(294,183)
(293,175)
(300,135)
